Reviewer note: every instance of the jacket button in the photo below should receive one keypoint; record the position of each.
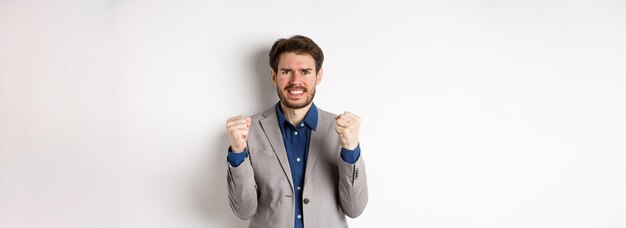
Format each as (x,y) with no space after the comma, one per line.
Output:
(306,200)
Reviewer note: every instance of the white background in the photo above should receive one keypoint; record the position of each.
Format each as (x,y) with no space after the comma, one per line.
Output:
(475,113)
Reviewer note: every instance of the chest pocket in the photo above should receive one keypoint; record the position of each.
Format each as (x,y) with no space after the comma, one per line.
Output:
(262,153)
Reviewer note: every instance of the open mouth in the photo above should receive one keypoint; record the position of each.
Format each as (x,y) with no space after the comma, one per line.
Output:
(295,92)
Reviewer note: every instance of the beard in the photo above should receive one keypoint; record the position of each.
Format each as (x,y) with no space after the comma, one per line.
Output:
(292,104)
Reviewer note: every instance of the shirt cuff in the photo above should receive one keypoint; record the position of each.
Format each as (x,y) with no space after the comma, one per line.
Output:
(235,159)
(351,156)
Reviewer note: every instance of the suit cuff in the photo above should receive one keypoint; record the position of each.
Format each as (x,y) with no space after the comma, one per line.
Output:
(351,156)
(235,159)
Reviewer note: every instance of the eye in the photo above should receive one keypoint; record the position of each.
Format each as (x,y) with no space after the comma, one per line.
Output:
(305,72)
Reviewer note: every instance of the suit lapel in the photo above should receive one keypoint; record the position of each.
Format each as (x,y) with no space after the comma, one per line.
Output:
(317,137)
(270,127)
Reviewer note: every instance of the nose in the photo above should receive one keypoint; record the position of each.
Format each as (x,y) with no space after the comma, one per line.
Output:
(294,77)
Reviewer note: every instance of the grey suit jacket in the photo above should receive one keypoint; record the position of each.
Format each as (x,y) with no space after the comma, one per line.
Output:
(261,187)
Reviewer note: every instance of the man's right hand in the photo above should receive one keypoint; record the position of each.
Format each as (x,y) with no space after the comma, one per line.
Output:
(238,128)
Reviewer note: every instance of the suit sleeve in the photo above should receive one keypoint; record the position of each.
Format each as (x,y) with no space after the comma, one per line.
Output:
(352,187)
(242,190)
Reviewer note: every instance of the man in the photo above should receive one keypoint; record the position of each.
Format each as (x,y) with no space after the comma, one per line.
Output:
(296,165)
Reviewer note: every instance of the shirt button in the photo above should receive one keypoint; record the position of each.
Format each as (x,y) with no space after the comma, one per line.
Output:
(299,216)
(299,188)
(306,200)
(302,125)
(295,133)
(298,159)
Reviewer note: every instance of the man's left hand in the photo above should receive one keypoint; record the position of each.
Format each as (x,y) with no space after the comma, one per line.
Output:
(348,129)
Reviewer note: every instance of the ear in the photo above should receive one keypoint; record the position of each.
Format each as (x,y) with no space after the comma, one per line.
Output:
(319,76)
(273,75)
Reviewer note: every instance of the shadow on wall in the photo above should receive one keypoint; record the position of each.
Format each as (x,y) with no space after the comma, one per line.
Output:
(266,92)
(210,190)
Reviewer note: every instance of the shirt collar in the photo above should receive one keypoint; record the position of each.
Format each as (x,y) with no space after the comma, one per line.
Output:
(310,119)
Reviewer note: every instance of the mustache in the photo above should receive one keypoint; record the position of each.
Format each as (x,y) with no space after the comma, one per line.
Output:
(296,87)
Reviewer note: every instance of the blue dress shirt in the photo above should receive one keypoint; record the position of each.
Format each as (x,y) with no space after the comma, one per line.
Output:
(297,139)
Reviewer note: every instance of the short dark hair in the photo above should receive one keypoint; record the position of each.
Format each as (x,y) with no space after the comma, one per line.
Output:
(298,44)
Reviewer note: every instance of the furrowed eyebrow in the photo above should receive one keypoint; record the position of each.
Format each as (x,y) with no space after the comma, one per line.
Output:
(285,69)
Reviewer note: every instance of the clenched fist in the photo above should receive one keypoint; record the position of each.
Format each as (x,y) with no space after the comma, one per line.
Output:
(348,129)
(238,128)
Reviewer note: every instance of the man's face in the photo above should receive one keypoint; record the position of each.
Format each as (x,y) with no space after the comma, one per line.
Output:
(296,79)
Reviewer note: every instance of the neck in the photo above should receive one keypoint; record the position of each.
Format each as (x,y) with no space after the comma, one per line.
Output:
(295,116)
